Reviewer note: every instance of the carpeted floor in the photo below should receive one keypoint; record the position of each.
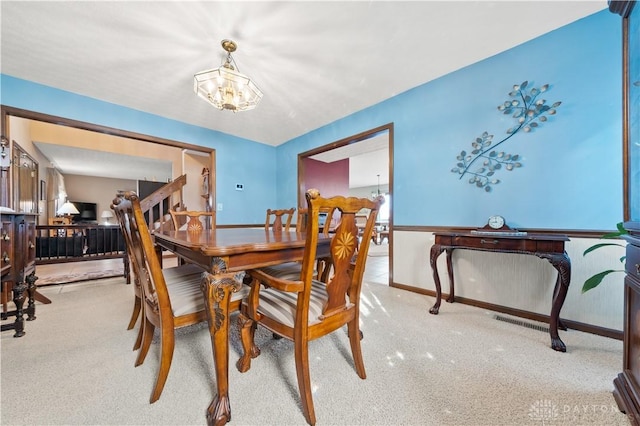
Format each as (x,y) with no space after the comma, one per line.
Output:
(461,367)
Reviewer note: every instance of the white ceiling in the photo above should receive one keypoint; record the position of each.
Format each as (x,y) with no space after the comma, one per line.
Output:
(316,62)
(88,162)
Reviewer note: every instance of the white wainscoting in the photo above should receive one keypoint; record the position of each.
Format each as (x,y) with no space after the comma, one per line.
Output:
(517,281)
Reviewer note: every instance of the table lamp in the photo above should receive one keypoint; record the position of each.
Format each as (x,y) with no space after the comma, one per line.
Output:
(106,215)
(67,209)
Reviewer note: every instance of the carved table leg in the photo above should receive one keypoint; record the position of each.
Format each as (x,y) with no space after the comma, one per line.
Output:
(31,291)
(436,250)
(217,291)
(563,265)
(452,293)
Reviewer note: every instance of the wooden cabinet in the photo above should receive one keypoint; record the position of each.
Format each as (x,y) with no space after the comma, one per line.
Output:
(627,384)
(18,251)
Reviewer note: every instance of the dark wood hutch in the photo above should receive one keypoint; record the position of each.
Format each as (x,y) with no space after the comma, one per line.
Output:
(627,384)
(18,221)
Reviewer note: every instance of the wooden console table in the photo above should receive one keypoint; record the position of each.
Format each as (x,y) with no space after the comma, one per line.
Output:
(549,247)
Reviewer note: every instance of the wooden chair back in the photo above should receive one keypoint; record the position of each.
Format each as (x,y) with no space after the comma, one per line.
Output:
(301,220)
(193,220)
(326,217)
(145,262)
(279,219)
(348,254)
(137,289)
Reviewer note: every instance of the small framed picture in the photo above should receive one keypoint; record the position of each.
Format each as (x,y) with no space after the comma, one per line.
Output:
(43,190)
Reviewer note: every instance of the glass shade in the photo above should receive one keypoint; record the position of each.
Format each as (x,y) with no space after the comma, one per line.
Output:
(225,88)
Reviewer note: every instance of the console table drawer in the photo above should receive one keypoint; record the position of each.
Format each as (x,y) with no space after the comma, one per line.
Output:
(632,261)
(508,244)
(495,243)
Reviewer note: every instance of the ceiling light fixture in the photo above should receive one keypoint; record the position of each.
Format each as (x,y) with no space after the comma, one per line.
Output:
(375,195)
(225,87)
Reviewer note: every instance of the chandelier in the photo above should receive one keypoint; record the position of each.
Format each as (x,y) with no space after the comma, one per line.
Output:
(226,87)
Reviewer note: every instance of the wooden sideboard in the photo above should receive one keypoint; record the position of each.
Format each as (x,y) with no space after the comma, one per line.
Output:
(18,276)
(626,385)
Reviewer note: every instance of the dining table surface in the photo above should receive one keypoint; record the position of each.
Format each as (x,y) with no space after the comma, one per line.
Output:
(224,253)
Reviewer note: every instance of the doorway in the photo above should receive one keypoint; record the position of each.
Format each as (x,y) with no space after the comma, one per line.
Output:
(366,146)
(140,140)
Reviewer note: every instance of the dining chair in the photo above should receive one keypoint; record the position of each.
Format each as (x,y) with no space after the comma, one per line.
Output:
(279,219)
(292,270)
(306,309)
(173,274)
(166,307)
(192,220)
(301,220)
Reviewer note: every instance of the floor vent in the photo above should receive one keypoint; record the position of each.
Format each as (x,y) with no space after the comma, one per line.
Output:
(522,323)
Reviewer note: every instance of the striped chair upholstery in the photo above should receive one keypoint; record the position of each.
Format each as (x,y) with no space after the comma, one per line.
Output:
(281,306)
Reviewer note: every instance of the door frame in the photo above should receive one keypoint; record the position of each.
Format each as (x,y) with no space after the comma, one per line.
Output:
(360,137)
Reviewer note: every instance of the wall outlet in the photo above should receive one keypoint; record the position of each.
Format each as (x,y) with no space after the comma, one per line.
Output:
(239,187)
(219,207)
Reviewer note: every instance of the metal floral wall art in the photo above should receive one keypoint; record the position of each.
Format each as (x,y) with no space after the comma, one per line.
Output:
(484,160)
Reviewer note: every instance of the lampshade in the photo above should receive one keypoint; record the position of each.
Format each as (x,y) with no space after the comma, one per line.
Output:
(67,208)
(226,87)
(106,215)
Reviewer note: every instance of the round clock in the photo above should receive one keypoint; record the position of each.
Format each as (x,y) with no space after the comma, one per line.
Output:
(496,222)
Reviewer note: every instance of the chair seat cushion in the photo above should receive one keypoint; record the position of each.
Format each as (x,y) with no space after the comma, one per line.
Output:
(286,271)
(281,306)
(181,270)
(186,295)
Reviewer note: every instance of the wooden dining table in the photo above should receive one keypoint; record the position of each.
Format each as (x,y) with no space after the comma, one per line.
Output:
(225,253)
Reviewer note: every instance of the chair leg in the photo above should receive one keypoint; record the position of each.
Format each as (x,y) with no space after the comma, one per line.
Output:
(304,380)
(250,350)
(147,337)
(354,339)
(167,345)
(137,304)
(138,342)
(143,321)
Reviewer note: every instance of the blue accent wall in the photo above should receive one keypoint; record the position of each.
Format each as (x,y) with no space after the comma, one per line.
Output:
(237,160)
(572,165)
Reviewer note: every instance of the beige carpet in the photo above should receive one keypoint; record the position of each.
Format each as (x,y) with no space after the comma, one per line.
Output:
(462,367)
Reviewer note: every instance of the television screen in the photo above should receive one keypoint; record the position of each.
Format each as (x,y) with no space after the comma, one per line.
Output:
(88,212)
(322,218)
